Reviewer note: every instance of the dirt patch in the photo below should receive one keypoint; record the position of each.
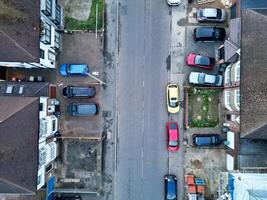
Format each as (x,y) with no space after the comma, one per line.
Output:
(77,9)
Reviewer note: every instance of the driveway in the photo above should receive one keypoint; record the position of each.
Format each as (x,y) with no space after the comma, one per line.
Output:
(80,163)
(81,47)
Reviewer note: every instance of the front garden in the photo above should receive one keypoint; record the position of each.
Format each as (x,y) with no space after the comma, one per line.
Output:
(203,107)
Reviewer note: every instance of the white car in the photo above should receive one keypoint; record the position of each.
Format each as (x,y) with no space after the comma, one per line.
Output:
(205,79)
(211,15)
(174,2)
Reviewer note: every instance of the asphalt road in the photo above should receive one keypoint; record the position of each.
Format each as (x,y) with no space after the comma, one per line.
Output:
(141,153)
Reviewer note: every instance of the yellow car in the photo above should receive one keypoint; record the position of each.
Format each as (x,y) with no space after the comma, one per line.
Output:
(172,98)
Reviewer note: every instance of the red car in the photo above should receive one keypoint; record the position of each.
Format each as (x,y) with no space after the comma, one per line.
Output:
(173,136)
(201,61)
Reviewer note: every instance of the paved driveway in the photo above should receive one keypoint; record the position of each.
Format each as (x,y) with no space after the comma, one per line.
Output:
(80,48)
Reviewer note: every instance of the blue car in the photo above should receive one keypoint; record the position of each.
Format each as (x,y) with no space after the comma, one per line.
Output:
(74,69)
(170,187)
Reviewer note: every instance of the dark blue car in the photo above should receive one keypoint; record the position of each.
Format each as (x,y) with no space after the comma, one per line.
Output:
(170,187)
(74,69)
(206,140)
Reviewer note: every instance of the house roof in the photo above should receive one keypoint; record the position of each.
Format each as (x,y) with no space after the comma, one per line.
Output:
(235,31)
(27,89)
(253,75)
(232,44)
(19,31)
(19,144)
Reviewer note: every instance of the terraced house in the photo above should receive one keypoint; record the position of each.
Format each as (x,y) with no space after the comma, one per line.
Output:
(30,33)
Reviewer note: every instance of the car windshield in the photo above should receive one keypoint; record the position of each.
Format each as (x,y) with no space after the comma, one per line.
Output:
(173,126)
(173,104)
(217,34)
(217,80)
(201,78)
(219,13)
(74,108)
(173,143)
(68,69)
(202,60)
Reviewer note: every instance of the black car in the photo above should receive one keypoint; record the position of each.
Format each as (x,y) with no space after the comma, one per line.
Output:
(170,187)
(75,197)
(206,34)
(79,92)
(206,140)
(82,109)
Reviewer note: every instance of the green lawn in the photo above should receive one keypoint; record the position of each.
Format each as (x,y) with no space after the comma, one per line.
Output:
(90,23)
(203,107)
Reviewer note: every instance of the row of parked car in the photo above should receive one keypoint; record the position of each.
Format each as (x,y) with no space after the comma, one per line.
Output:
(201,34)
(207,34)
(79,109)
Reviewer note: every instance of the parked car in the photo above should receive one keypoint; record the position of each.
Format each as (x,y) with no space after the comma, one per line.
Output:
(173,136)
(172,98)
(197,60)
(209,34)
(211,15)
(82,109)
(74,197)
(174,2)
(74,69)
(201,78)
(206,140)
(170,187)
(79,91)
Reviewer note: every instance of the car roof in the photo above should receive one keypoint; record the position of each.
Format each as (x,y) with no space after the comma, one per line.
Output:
(78,69)
(209,78)
(171,187)
(210,12)
(202,60)
(204,32)
(173,90)
(85,109)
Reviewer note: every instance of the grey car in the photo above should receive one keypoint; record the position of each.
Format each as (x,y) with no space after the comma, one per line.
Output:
(201,78)
(211,15)
(82,109)
(79,92)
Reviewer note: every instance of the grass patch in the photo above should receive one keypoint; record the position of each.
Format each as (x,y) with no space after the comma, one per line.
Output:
(203,107)
(90,23)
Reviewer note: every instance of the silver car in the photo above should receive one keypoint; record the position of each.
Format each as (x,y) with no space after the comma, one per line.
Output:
(211,15)
(205,79)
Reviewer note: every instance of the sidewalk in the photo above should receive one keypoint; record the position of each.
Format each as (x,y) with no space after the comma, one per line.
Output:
(178,75)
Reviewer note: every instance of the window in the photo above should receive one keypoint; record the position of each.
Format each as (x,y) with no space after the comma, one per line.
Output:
(58,15)
(237,98)
(42,156)
(51,56)
(42,54)
(237,72)
(48,7)
(41,106)
(227,79)
(57,39)
(21,89)
(53,125)
(227,100)
(47,33)
(9,89)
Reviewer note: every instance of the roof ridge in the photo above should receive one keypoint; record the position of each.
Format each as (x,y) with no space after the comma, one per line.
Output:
(20,108)
(16,185)
(254,10)
(16,43)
